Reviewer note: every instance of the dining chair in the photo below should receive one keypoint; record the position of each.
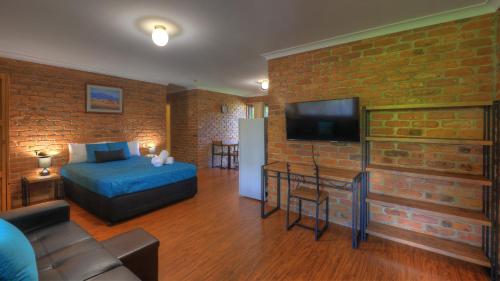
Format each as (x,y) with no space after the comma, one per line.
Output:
(299,188)
(234,155)
(217,150)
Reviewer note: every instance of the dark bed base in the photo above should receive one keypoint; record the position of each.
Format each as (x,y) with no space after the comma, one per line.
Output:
(126,206)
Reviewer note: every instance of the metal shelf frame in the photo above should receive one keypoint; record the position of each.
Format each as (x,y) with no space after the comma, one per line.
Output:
(491,164)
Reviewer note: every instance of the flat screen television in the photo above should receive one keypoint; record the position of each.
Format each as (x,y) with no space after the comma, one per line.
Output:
(327,120)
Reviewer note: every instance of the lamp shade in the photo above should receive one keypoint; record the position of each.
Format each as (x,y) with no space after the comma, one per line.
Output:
(152,149)
(44,162)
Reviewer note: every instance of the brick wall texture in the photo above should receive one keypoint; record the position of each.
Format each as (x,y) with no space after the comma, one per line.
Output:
(47,111)
(197,120)
(449,62)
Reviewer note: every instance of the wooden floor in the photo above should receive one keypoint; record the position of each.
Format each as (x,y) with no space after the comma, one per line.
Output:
(220,236)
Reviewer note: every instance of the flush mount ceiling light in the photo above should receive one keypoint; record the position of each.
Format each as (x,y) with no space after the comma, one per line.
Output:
(264,84)
(160,35)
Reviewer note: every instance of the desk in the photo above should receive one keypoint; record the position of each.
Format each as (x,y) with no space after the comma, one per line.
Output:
(338,178)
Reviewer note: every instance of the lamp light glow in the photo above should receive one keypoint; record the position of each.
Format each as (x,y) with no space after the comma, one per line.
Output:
(160,35)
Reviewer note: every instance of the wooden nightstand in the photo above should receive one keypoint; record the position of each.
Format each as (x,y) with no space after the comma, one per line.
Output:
(53,179)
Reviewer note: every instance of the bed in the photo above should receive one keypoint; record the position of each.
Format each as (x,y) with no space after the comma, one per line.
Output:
(119,190)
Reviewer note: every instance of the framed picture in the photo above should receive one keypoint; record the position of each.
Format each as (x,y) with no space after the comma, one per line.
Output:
(104,99)
(224,109)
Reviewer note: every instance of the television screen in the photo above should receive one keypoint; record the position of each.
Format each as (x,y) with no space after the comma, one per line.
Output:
(329,120)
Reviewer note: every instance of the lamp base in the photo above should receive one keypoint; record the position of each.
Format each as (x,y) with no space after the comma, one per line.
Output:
(45,172)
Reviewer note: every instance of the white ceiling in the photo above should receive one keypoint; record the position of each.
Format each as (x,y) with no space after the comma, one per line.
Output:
(220,42)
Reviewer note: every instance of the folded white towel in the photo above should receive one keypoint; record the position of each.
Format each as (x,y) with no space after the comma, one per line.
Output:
(157,161)
(170,160)
(164,155)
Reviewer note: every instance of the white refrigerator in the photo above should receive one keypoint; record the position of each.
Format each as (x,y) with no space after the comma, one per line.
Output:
(252,149)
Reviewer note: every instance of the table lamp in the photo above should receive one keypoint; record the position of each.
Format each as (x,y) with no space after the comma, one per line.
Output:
(44,162)
(152,149)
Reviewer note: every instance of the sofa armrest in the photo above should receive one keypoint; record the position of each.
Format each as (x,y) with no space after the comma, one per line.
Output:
(138,251)
(38,216)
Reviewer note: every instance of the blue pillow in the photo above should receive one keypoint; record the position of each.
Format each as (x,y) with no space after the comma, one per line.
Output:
(120,145)
(17,258)
(92,148)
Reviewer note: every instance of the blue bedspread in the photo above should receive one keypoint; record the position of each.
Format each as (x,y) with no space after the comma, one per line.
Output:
(115,178)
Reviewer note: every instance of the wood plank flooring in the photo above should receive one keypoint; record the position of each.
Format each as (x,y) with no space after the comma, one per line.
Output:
(220,236)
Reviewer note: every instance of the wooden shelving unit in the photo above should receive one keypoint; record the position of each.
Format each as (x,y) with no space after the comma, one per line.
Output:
(487,255)
(432,208)
(429,106)
(433,174)
(433,141)
(430,243)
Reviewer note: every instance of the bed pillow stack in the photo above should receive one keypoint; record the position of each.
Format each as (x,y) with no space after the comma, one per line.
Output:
(113,146)
(81,152)
(92,148)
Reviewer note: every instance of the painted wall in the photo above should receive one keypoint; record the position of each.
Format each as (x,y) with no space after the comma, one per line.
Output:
(47,111)
(449,62)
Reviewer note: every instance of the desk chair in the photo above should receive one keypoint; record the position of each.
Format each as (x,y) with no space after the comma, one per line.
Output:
(296,176)
(217,150)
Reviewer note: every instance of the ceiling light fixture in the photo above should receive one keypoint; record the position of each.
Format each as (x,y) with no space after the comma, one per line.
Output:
(160,35)
(264,84)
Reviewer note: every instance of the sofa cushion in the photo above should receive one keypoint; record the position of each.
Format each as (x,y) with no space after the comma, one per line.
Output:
(84,265)
(17,258)
(119,273)
(57,257)
(50,239)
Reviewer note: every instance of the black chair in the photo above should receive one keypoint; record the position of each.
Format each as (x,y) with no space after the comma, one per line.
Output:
(298,188)
(234,156)
(218,150)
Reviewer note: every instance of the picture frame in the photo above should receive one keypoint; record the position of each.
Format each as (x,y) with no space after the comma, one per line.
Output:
(224,108)
(102,99)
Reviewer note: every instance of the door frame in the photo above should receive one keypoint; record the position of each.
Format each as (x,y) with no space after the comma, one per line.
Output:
(5,199)
(168,128)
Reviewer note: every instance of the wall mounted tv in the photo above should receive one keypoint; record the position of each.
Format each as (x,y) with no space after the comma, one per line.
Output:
(328,120)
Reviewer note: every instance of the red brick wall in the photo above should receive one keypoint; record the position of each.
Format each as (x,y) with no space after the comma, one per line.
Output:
(197,120)
(449,62)
(215,125)
(262,98)
(184,125)
(47,111)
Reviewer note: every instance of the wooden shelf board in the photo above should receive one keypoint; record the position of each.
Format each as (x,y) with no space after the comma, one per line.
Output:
(432,208)
(435,141)
(463,178)
(430,106)
(430,243)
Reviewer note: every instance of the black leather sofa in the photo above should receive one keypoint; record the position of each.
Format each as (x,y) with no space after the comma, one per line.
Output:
(64,251)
